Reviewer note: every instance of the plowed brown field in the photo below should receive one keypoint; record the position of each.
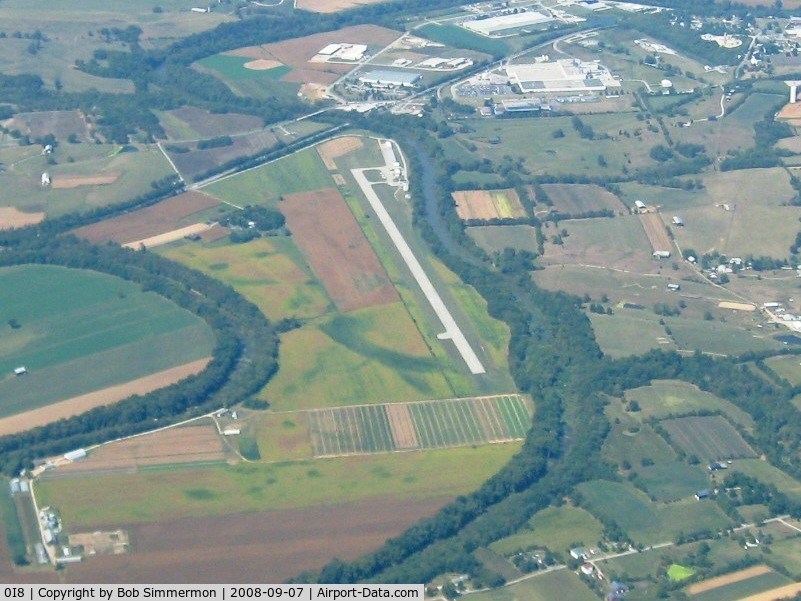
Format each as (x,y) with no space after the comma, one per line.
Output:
(656,232)
(253,548)
(333,149)
(337,250)
(12,217)
(151,221)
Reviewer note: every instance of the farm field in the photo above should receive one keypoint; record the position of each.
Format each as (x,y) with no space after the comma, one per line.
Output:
(710,438)
(657,234)
(720,338)
(788,554)
(191,123)
(665,397)
(332,6)
(269,272)
(127,172)
(787,368)
(420,425)
(562,584)
(671,481)
(737,585)
(149,496)
(70,321)
(633,443)
(62,124)
(554,528)
(574,199)
(646,522)
(494,238)
(268,546)
(629,332)
(459,37)
(488,204)
(163,217)
(768,474)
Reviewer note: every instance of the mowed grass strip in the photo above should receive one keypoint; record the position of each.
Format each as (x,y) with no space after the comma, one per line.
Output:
(73,321)
(707,437)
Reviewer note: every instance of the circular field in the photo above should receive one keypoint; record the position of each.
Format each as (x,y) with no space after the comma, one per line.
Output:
(79,332)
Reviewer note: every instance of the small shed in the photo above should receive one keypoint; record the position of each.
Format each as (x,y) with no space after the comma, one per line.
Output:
(678,221)
(75,455)
(20,371)
(702,494)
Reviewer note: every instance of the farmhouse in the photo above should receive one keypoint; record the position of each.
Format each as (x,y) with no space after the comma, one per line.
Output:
(578,553)
(390,79)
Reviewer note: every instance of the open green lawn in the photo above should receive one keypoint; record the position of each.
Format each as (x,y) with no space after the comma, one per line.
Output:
(556,528)
(459,37)
(303,171)
(562,584)
(674,397)
(270,272)
(72,322)
(647,522)
(153,496)
(136,168)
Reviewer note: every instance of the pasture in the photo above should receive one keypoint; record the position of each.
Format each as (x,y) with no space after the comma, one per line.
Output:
(191,123)
(561,584)
(269,272)
(66,322)
(674,397)
(710,438)
(574,199)
(421,425)
(629,332)
(646,522)
(494,238)
(131,172)
(671,481)
(635,444)
(787,368)
(554,528)
(62,124)
(768,474)
(488,204)
(86,502)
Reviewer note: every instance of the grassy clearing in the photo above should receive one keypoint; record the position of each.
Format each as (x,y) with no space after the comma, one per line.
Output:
(562,584)
(556,528)
(788,368)
(635,444)
(787,552)
(709,438)
(647,522)
(270,272)
(368,356)
(459,37)
(768,474)
(300,172)
(283,436)
(494,238)
(677,572)
(629,333)
(11,523)
(151,497)
(581,198)
(673,481)
(717,337)
(70,321)
(672,397)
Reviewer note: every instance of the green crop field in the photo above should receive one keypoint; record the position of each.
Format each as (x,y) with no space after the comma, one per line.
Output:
(673,480)
(87,502)
(555,528)
(581,198)
(646,522)
(270,272)
(370,355)
(136,168)
(709,438)
(673,397)
(248,82)
(562,584)
(494,238)
(743,588)
(300,172)
(70,322)
(420,425)
(768,474)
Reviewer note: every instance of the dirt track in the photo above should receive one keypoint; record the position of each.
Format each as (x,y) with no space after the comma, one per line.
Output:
(167,237)
(656,232)
(107,396)
(337,250)
(270,546)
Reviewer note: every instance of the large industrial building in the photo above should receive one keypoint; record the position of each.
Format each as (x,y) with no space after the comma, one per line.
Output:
(495,26)
(390,79)
(566,75)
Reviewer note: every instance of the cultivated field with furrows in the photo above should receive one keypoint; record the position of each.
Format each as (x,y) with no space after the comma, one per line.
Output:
(488,204)
(709,438)
(656,232)
(105,396)
(183,445)
(268,546)
(573,199)
(333,149)
(418,425)
(150,221)
(337,249)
